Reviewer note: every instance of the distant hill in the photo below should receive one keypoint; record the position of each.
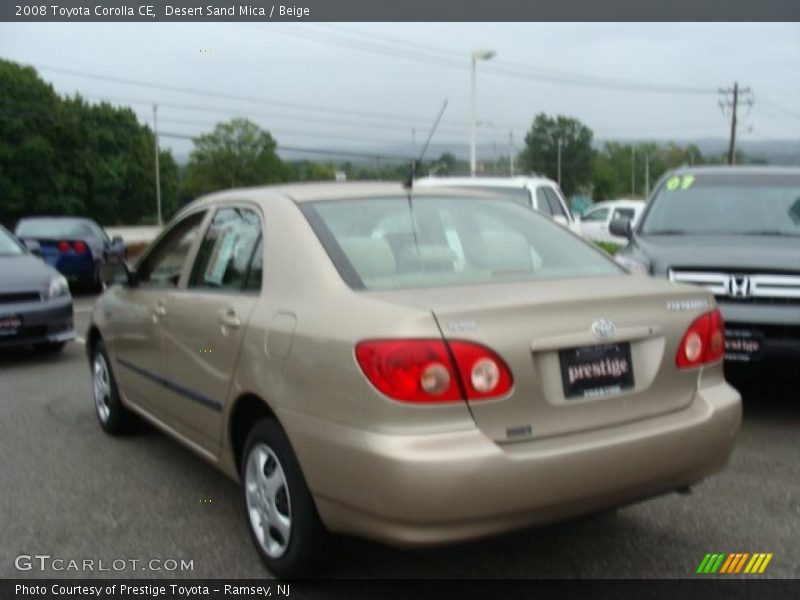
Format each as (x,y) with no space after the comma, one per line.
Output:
(777,152)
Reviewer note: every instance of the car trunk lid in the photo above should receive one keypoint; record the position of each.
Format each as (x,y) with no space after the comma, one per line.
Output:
(536,327)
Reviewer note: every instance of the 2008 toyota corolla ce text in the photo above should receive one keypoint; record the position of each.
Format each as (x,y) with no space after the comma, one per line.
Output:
(415,367)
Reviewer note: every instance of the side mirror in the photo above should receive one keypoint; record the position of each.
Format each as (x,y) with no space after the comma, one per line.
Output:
(621,228)
(33,247)
(117,242)
(123,275)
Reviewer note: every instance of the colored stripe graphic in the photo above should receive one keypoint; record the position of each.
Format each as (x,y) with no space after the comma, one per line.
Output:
(703,563)
(767,558)
(734,563)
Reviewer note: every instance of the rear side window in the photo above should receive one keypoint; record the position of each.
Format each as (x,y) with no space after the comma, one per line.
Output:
(399,243)
(555,203)
(542,205)
(162,267)
(623,213)
(227,250)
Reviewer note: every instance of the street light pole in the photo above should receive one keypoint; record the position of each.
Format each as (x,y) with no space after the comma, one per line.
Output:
(158,170)
(476,56)
(559,161)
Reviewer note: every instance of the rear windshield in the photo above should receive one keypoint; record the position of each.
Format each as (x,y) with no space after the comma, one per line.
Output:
(397,243)
(54,228)
(726,204)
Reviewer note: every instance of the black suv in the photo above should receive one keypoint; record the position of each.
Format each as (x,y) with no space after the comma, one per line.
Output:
(736,231)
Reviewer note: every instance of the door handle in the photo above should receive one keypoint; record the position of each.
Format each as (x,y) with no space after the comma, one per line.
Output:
(230,320)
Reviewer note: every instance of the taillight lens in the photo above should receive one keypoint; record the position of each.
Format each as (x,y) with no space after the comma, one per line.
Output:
(80,247)
(423,371)
(703,342)
(409,370)
(64,247)
(483,372)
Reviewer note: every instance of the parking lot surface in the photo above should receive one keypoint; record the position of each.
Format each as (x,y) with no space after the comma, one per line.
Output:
(72,492)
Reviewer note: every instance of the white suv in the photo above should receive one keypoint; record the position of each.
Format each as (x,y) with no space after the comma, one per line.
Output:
(538,193)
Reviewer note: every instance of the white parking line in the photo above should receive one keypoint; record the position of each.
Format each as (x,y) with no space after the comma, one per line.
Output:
(80,340)
(83,309)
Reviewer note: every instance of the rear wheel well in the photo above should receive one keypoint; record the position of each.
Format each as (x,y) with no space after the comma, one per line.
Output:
(248,410)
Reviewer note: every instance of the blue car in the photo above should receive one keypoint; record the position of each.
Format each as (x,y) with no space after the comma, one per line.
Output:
(77,247)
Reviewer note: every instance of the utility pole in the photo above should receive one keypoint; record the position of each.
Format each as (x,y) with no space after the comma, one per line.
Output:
(511,152)
(633,170)
(158,170)
(733,104)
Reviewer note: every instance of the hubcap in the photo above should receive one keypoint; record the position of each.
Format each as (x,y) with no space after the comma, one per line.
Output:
(268,502)
(101,385)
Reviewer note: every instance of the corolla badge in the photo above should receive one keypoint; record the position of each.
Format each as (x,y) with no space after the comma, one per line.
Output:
(603,329)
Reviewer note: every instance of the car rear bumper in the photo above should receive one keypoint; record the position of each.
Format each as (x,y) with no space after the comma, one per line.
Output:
(437,488)
(75,268)
(43,322)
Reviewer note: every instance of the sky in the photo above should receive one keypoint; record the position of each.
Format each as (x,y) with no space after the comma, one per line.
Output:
(380,85)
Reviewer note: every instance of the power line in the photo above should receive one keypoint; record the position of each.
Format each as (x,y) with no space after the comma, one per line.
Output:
(499,67)
(779,109)
(211,93)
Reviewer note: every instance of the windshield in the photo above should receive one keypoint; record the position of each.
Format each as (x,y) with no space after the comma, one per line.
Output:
(726,204)
(397,243)
(54,228)
(8,245)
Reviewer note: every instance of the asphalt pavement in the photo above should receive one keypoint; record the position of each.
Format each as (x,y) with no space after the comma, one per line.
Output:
(70,491)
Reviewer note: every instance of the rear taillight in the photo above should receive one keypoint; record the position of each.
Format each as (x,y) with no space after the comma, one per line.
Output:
(64,247)
(483,373)
(703,342)
(423,371)
(80,247)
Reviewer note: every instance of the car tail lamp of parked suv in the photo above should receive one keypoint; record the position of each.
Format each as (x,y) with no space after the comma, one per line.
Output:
(703,342)
(430,371)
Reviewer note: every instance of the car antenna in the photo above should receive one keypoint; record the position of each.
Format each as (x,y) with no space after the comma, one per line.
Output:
(412,171)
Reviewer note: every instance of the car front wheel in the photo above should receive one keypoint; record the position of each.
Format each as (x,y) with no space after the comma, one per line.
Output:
(281,515)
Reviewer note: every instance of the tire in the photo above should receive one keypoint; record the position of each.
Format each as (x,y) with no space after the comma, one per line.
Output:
(49,347)
(294,543)
(114,418)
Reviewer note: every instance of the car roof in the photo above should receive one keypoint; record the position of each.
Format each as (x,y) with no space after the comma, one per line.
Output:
(326,191)
(738,170)
(520,181)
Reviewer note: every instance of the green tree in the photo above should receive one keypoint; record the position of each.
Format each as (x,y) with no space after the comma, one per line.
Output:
(30,156)
(237,153)
(540,154)
(66,156)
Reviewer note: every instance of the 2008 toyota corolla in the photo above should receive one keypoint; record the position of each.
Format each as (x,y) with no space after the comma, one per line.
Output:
(415,367)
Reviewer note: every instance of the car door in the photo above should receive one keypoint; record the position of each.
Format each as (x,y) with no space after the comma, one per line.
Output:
(205,321)
(593,223)
(136,313)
